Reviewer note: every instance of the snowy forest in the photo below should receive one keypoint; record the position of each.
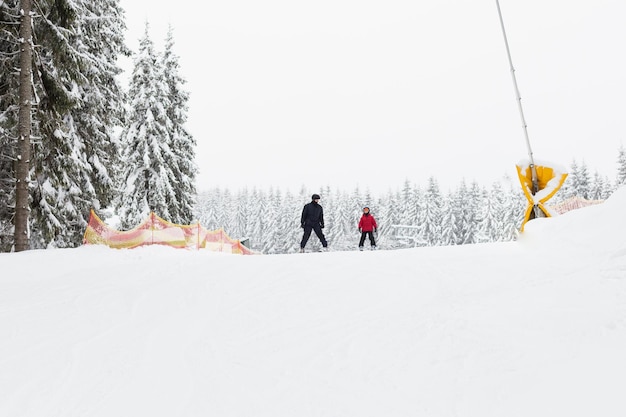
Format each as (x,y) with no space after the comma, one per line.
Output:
(73,138)
(411,216)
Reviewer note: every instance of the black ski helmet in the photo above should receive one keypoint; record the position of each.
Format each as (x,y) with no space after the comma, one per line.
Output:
(315,197)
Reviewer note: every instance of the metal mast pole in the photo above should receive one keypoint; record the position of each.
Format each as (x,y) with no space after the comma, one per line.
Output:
(519,105)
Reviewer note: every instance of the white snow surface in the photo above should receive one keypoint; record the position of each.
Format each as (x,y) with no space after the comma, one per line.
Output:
(535,327)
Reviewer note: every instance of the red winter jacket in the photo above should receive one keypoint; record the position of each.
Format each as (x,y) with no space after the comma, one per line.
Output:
(367,223)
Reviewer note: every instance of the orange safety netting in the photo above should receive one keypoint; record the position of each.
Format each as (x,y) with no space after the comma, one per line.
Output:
(157,231)
(573,203)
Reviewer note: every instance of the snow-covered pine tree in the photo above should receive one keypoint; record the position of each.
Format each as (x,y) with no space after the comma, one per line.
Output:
(512,213)
(102,105)
(206,208)
(270,238)
(258,216)
(288,212)
(488,222)
(352,213)
(182,142)
(77,102)
(406,213)
(471,219)
(149,182)
(597,187)
(578,182)
(226,215)
(384,223)
(450,233)
(408,205)
(584,182)
(570,185)
(391,218)
(429,217)
(621,166)
(242,215)
(463,212)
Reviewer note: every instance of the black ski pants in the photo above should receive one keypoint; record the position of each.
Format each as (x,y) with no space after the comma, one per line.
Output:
(371,236)
(307,234)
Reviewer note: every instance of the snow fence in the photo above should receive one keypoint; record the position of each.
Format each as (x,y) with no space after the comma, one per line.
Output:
(573,203)
(157,231)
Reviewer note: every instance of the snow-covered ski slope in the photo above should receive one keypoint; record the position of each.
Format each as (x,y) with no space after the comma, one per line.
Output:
(529,328)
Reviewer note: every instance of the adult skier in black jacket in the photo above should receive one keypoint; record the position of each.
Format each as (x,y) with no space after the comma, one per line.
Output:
(312,220)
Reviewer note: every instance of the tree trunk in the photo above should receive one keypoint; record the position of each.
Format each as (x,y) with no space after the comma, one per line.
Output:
(22,169)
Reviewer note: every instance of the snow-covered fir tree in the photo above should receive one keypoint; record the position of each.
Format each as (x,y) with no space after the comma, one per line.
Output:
(450,225)
(621,166)
(600,187)
(465,214)
(288,218)
(243,209)
(390,219)
(578,182)
(77,104)
(149,170)
(489,223)
(584,182)
(182,142)
(570,186)
(272,224)
(511,216)
(430,215)
(472,214)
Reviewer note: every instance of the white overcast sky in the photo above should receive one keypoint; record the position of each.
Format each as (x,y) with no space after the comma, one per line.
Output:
(365,93)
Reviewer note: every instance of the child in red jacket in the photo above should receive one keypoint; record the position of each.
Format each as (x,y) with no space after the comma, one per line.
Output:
(367,226)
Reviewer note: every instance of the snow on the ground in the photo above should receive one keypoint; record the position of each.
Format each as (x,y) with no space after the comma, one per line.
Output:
(534,328)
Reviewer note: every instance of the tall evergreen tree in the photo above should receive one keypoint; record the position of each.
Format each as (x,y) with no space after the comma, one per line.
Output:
(578,182)
(570,186)
(393,219)
(461,205)
(408,204)
(288,218)
(584,181)
(77,105)
(206,210)
(182,142)
(450,226)
(621,166)
(148,179)
(488,223)
(270,237)
(242,215)
(81,104)
(597,187)
(102,104)
(430,216)
(471,219)
(512,214)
